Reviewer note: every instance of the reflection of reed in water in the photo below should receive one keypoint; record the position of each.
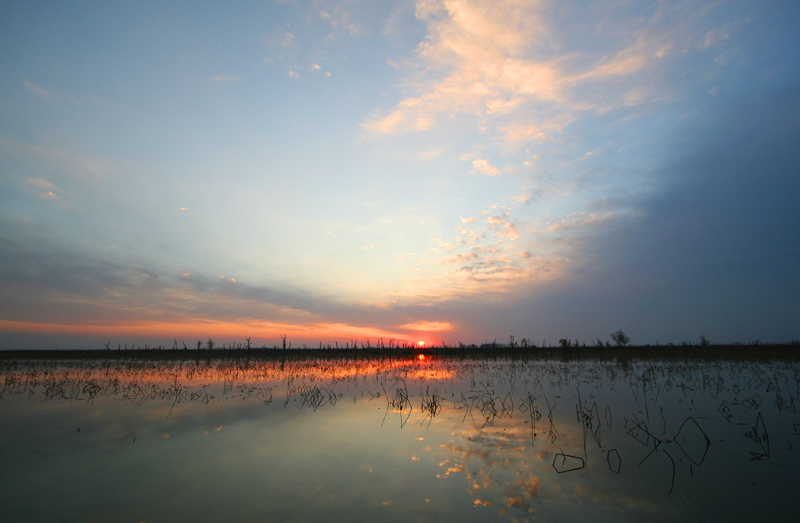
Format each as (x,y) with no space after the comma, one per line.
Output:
(314,397)
(400,403)
(430,404)
(658,389)
(487,403)
(530,408)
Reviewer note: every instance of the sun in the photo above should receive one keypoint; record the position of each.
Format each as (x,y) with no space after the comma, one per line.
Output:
(421,344)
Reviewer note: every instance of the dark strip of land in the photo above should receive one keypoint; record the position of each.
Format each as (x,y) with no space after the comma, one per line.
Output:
(752,351)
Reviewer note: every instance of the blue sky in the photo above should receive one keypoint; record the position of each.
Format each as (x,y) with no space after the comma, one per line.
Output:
(429,170)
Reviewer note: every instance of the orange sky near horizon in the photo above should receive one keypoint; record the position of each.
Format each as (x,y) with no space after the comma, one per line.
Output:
(261,333)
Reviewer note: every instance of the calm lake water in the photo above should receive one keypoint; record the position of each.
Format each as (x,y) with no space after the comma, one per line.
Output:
(416,438)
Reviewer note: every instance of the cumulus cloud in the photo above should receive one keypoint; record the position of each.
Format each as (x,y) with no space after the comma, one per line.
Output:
(340,20)
(467,236)
(484,167)
(443,246)
(461,258)
(503,226)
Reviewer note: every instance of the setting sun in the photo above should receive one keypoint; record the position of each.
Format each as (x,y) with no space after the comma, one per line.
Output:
(420,344)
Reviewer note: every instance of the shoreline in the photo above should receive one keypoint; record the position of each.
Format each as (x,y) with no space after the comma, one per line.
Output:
(765,350)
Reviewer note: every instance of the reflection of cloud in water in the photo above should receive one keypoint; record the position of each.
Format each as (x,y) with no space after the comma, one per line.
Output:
(493,426)
(503,471)
(501,468)
(612,501)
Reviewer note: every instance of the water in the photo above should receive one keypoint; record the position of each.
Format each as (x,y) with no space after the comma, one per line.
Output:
(399,439)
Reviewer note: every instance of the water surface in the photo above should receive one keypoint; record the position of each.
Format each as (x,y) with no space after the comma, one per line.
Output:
(398,439)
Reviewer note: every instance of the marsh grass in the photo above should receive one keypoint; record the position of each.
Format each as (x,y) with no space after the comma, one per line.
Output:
(240,352)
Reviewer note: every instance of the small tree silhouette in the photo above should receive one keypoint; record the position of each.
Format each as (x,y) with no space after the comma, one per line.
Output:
(620,338)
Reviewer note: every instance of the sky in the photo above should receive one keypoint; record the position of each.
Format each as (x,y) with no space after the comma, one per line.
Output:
(429,170)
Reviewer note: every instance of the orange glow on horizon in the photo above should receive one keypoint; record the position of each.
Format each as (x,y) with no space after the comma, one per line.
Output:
(218,330)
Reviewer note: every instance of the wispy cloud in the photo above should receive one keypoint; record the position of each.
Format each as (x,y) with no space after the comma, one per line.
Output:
(50,94)
(38,91)
(141,299)
(83,166)
(226,78)
(430,326)
(510,64)
(44,189)
(580,219)
(280,44)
